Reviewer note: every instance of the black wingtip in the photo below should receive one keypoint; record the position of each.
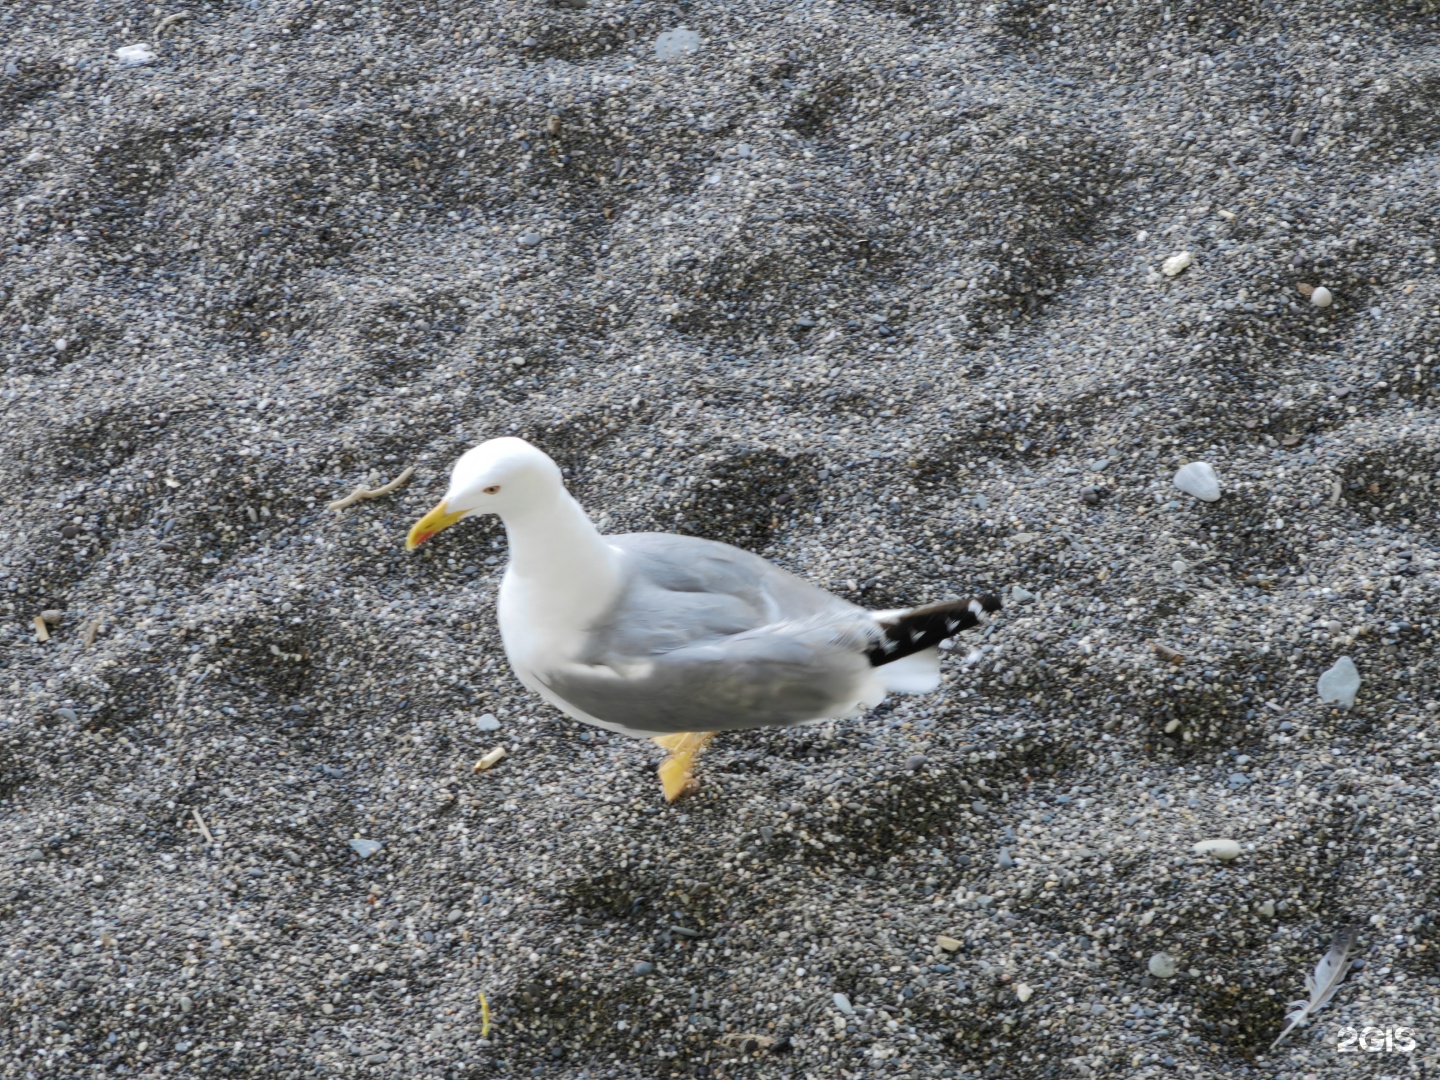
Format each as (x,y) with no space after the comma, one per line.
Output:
(921,628)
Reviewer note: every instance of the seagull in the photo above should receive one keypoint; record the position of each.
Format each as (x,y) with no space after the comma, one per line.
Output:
(677,638)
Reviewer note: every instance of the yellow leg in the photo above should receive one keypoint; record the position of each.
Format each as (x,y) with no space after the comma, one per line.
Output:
(677,772)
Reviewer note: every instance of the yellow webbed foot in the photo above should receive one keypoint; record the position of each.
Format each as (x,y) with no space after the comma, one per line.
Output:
(677,772)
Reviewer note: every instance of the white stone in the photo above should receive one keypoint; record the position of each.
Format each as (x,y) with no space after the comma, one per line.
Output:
(1162,966)
(487,722)
(674,44)
(1321,297)
(1023,992)
(1222,848)
(1340,684)
(365,848)
(135,54)
(1199,479)
(1175,263)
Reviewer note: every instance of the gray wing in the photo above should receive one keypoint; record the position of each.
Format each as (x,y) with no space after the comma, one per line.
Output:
(707,637)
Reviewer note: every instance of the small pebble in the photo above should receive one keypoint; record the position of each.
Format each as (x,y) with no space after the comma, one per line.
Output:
(69,716)
(530,240)
(843,1004)
(1023,992)
(1162,966)
(1267,909)
(365,848)
(1321,297)
(69,532)
(915,761)
(1340,683)
(1222,848)
(644,967)
(52,616)
(487,722)
(1176,263)
(949,944)
(1198,479)
(1004,859)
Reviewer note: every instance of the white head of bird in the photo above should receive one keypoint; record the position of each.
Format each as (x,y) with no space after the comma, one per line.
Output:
(504,476)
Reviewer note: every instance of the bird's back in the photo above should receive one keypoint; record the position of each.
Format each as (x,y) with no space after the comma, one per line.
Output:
(683,590)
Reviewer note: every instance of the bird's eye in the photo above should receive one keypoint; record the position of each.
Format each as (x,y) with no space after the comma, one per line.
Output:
(493,489)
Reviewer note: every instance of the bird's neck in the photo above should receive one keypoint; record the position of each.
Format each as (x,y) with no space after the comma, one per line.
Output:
(555,548)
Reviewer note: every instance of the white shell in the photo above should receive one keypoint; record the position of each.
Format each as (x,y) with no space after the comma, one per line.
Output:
(1199,479)
(1321,297)
(1175,263)
(135,54)
(1222,848)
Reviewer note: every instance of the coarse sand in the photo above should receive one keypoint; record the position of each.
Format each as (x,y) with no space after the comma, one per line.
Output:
(888,291)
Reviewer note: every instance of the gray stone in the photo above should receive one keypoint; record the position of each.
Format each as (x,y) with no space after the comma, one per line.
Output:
(1340,683)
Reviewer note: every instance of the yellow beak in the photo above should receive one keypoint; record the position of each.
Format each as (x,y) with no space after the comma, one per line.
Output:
(430,524)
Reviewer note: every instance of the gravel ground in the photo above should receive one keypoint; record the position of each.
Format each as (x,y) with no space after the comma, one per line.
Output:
(872,288)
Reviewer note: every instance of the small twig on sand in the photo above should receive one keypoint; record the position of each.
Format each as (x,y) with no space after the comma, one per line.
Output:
(370,493)
(1164,652)
(169,21)
(42,632)
(92,630)
(201,822)
(490,759)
